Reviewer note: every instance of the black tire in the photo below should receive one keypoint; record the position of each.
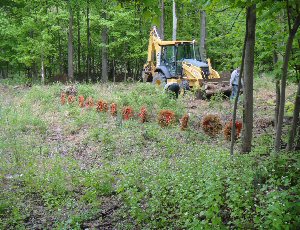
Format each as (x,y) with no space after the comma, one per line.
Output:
(159,79)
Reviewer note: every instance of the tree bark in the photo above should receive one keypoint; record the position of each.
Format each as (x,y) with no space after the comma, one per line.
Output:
(78,42)
(70,45)
(248,80)
(277,85)
(297,146)
(162,20)
(233,128)
(174,21)
(104,38)
(203,35)
(61,66)
(295,122)
(42,70)
(88,59)
(283,81)
(34,72)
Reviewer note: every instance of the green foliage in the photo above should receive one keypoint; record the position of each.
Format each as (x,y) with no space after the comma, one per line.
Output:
(144,94)
(71,166)
(207,189)
(289,108)
(33,32)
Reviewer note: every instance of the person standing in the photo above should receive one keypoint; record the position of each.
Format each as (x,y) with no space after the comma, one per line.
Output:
(234,82)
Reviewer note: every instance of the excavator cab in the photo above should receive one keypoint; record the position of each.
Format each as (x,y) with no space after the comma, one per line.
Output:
(173,55)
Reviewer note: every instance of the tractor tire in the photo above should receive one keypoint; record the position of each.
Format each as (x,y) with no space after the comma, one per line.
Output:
(159,79)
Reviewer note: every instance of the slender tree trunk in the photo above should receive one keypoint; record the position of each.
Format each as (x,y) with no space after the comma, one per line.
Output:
(174,21)
(283,81)
(78,42)
(277,89)
(203,35)
(7,69)
(114,71)
(61,68)
(277,85)
(70,45)
(233,128)
(295,122)
(297,146)
(104,38)
(34,72)
(88,60)
(42,70)
(248,80)
(162,19)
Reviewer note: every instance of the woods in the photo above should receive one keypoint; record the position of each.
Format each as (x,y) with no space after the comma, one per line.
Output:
(119,32)
(86,144)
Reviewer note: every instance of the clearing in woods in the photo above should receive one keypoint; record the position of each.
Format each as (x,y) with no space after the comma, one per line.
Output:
(62,166)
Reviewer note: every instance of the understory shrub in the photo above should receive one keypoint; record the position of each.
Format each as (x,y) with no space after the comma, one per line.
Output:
(143,115)
(228,127)
(211,125)
(184,122)
(127,112)
(208,189)
(166,117)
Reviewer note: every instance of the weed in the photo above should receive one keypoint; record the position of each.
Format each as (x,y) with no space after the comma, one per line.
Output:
(66,163)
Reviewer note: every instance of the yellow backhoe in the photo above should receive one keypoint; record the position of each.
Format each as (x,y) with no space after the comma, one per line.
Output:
(178,62)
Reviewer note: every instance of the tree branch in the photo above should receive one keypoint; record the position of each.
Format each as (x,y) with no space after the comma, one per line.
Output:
(219,11)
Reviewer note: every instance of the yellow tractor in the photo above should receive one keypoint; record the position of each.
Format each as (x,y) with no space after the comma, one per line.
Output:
(178,62)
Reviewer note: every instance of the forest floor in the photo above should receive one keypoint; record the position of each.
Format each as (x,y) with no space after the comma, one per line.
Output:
(66,167)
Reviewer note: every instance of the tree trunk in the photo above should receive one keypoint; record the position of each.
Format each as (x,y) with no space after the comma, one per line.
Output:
(61,68)
(70,45)
(78,42)
(248,80)
(88,59)
(277,85)
(295,122)
(162,20)
(233,128)
(297,146)
(174,21)
(203,35)
(104,38)
(114,71)
(283,82)
(42,70)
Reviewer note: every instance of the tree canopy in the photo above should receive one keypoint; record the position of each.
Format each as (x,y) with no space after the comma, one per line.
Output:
(33,30)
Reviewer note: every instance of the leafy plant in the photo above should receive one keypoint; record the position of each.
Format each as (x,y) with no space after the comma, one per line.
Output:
(127,112)
(184,122)
(113,109)
(101,106)
(81,101)
(71,99)
(211,125)
(166,117)
(89,102)
(62,98)
(228,127)
(143,115)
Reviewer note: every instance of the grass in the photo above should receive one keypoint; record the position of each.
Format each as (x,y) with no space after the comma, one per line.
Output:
(65,167)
